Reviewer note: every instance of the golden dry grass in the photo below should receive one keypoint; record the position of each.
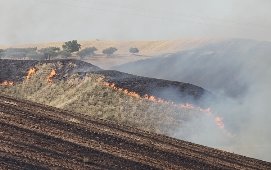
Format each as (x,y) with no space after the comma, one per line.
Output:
(87,95)
(147,49)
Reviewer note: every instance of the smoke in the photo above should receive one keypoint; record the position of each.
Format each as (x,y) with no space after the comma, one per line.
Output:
(238,73)
(49,20)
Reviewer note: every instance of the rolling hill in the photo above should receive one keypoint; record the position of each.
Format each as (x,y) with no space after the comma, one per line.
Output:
(147,49)
(82,87)
(220,67)
(235,70)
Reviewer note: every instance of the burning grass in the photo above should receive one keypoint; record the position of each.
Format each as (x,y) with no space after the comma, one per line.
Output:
(7,83)
(51,76)
(93,96)
(30,73)
(186,106)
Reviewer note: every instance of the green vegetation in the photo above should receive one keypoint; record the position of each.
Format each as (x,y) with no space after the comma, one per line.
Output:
(133,50)
(87,52)
(49,52)
(20,53)
(71,46)
(30,53)
(69,49)
(110,51)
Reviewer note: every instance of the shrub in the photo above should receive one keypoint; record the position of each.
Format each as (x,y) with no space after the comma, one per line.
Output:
(49,52)
(87,52)
(109,51)
(133,50)
(18,53)
(71,46)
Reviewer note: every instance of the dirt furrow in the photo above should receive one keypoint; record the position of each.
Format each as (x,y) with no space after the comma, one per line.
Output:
(180,149)
(145,150)
(51,134)
(140,147)
(75,137)
(68,149)
(140,139)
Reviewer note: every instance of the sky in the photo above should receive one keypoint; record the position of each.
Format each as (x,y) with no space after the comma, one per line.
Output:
(33,21)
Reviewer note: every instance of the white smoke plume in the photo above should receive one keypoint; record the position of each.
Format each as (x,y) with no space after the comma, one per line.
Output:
(238,73)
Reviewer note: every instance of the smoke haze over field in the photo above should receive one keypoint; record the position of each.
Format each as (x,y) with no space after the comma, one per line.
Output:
(238,73)
(31,21)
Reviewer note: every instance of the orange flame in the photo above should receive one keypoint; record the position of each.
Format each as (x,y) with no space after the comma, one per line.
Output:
(51,76)
(7,83)
(30,73)
(125,91)
(217,120)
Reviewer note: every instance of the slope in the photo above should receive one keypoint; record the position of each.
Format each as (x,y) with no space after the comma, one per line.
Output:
(221,67)
(53,138)
(111,95)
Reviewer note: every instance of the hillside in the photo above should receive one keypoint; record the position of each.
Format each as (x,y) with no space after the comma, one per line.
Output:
(220,67)
(51,138)
(238,72)
(81,87)
(147,49)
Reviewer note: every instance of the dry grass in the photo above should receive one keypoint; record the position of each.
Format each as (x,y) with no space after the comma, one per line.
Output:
(87,95)
(147,49)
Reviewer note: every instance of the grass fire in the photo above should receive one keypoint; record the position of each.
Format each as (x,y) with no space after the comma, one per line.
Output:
(30,73)
(51,76)
(7,83)
(155,84)
(92,94)
(187,106)
(113,96)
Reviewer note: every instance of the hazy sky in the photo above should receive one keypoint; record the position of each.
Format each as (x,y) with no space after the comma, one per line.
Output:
(24,21)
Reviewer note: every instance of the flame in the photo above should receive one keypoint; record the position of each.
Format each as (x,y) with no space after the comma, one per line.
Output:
(51,76)
(113,86)
(7,83)
(217,120)
(155,99)
(30,73)
(133,94)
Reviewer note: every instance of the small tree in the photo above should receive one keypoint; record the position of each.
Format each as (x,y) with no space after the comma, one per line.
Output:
(133,50)
(50,52)
(109,51)
(87,52)
(71,46)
